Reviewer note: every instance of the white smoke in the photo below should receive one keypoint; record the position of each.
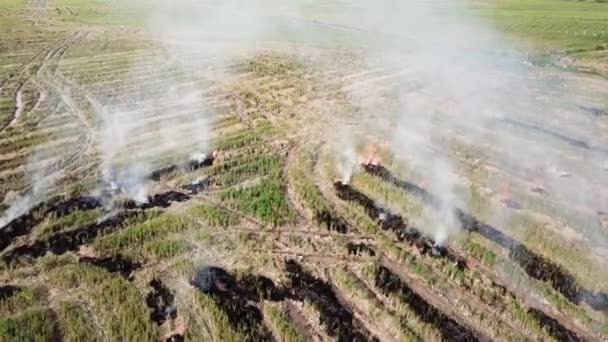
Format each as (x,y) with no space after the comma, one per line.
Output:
(347,157)
(42,174)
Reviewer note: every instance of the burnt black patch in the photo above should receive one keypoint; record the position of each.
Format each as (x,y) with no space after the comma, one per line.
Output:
(593,110)
(398,225)
(359,249)
(237,300)
(176,338)
(542,269)
(535,266)
(450,330)
(197,186)
(162,302)
(62,242)
(196,164)
(545,131)
(162,200)
(338,321)
(24,224)
(553,327)
(114,264)
(157,174)
(512,204)
(331,221)
(8,291)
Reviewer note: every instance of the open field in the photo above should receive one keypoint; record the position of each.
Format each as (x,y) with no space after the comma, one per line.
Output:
(264,178)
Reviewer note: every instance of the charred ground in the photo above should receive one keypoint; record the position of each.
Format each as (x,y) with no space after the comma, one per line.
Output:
(257,239)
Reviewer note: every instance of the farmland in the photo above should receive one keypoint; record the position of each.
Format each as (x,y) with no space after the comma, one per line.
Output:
(161,182)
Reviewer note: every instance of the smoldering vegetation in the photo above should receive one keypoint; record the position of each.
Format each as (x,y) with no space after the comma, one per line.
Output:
(162,200)
(63,242)
(390,283)
(23,224)
(235,296)
(195,163)
(398,225)
(161,301)
(535,266)
(59,207)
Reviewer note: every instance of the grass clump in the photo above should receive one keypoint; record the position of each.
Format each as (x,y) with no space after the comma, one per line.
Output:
(21,300)
(283,327)
(266,201)
(30,325)
(207,322)
(75,324)
(214,215)
(164,249)
(136,235)
(125,315)
(72,220)
(259,165)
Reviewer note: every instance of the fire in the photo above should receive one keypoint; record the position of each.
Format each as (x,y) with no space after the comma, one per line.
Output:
(371,155)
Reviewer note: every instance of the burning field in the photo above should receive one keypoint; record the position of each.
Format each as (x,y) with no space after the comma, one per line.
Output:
(271,171)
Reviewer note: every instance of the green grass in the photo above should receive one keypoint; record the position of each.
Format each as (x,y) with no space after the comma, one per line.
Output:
(23,299)
(75,323)
(148,230)
(165,248)
(72,220)
(31,325)
(238,170)
(207,322)
(214,215)
(266,201)
(563,24)
(125,315)
(283,327)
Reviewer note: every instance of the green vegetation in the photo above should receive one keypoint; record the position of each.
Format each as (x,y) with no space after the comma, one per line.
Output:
(74,219)
(356,289)
(237,170)
(214,215)
(123,310)
(562,23)
(166,249)
(134,236)
(32,325)
(285,330)
(266,201)
(207,322)
(75,323)
(24,298)
(276,109)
